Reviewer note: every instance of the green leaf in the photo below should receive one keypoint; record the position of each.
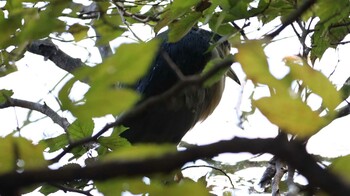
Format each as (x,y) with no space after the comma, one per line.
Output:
(5,95)
(113,142)
(40,24)
(332,27)
(156,187)
(174,11)
(78,31)
(291,114)
(47,189)
(108,28)
(341,167)
(56,143)
(218,25)
(8,65)
(180,28)
(80,129)
(328,36)
(63,95)
(315,81)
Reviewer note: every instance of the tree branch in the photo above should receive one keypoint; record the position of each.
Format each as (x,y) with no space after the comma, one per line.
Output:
(292,152)
(305,5)
(44,109)
(49,50)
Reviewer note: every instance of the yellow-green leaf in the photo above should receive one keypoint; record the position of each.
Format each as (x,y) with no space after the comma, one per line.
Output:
(180,28)
(15,149)
(341,166)
(291,114)
(155,187)
(141,151)
(5,94)
(102,102)
(254,63)
(31,154)
(78,31)
(315,81)
(127,65)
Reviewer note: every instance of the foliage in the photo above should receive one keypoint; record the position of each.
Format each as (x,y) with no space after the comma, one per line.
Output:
(322,26)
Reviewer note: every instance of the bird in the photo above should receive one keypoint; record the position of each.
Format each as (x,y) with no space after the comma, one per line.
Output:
(168,121)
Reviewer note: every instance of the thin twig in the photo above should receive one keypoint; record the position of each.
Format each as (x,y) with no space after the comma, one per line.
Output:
(212,167)
(305,5)
(173,66)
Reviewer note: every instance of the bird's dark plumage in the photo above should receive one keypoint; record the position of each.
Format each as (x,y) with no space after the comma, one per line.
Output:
(168,121)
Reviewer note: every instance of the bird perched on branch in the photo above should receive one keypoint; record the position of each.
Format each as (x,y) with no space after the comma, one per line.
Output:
(168,121)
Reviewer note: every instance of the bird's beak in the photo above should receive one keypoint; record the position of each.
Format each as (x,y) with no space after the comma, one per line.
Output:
(231,74)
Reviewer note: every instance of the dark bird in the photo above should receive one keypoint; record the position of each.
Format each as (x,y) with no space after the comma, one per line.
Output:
(168,121)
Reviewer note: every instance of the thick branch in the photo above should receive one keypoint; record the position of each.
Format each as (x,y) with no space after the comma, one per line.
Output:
(44,109)
(292,152)
(49,50)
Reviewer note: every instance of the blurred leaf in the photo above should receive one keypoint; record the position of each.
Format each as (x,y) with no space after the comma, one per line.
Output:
(156,187)
(15,149)
(174,11)
(7,155)
(291,114)
(140,151)
(7,62)
(217,76)
(5,95)
(40,24)
(315,81)
(63,95)
(31,154)
(78,31)
(345,89)
(180,28)
(127,65)
(102,102)
(124,67)
(218,25)
(80,129)
(341,167)
(254,63)
(108,28)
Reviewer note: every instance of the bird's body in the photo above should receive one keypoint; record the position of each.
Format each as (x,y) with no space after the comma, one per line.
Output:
(168,121)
